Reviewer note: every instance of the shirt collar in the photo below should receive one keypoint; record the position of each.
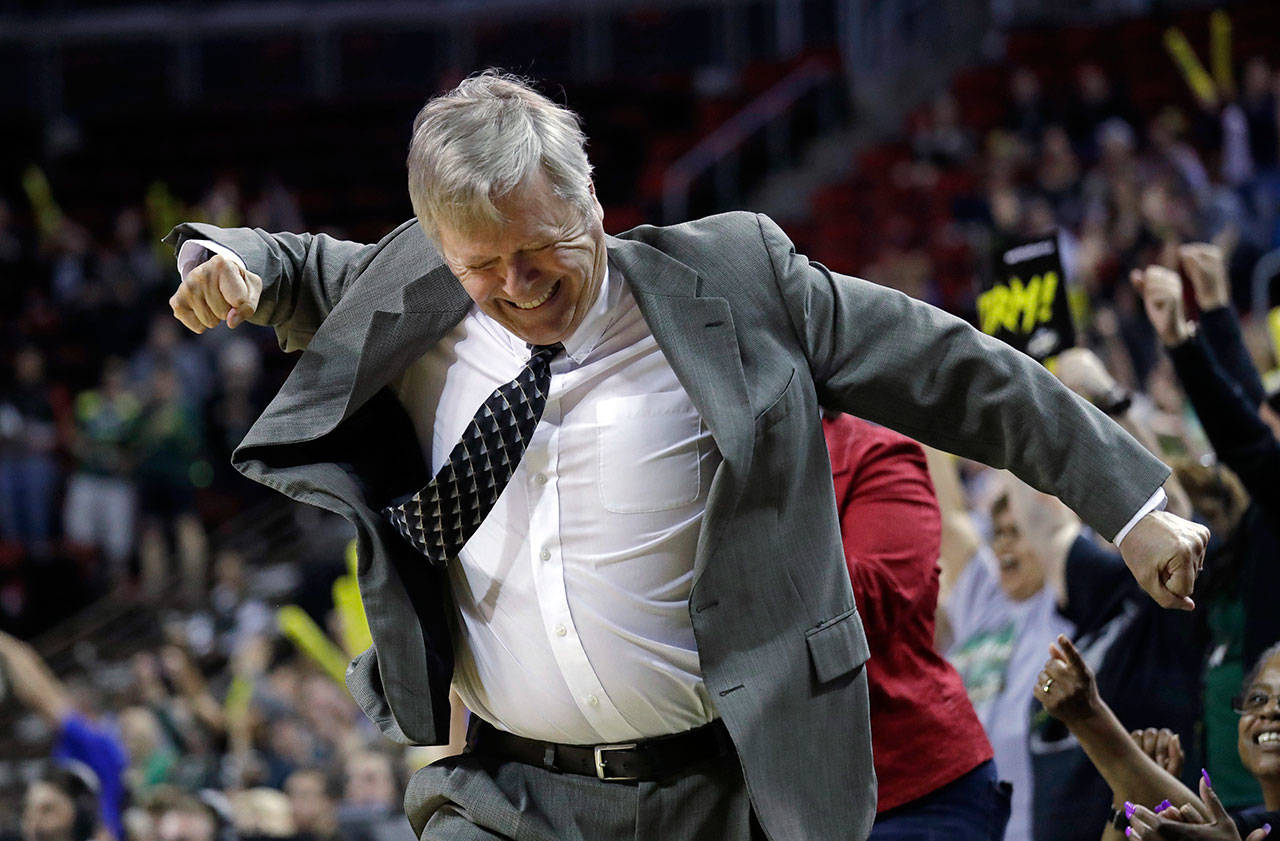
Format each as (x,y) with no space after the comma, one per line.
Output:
(584,339)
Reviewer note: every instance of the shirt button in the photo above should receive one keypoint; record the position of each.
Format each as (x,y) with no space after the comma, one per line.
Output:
(545,554)
(593,701)
(541,478)
(561,630)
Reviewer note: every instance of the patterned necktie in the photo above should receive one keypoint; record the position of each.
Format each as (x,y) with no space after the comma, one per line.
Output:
(439,519)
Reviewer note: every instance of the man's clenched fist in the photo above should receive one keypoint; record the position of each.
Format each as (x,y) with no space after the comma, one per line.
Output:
(218,289)
(1165,552)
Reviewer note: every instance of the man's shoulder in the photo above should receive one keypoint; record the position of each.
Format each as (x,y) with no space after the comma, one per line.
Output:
(729,250)
(402,252)
(708,235)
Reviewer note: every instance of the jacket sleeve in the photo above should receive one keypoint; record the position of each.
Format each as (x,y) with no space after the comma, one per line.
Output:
(878,354)
(303,275)
(1221,329)
(1239,436)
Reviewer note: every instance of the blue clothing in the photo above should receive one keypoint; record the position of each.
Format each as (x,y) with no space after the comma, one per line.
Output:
(975,807)
(84,741)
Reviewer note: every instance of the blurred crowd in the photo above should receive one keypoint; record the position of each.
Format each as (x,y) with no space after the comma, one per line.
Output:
(116,429)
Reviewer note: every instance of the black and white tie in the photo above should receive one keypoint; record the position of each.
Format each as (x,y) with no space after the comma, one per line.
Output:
(439,519)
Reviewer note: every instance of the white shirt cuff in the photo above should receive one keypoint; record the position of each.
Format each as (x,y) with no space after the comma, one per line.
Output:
(196,251)
(1157,502)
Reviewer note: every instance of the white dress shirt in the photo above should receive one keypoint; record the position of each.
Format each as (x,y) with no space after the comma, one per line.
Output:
(573,595)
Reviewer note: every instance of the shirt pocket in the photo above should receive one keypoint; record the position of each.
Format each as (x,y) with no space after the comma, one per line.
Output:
(648,452)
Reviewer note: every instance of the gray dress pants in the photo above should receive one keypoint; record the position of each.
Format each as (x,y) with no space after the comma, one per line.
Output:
(480,798)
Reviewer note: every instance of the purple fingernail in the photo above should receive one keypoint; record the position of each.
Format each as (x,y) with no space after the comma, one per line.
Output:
(1128,809)
(1128,830)
(1207,781)
(1267,827)
(1164,804)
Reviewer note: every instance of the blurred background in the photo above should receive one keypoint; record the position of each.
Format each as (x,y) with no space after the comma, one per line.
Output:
(900,140)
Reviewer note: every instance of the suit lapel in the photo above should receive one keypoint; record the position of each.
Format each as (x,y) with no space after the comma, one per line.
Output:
(330,382)
(697,336)
(430,306)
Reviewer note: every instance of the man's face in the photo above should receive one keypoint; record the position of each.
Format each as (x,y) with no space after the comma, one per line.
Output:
(1021,573)
(538,273)
(47,814)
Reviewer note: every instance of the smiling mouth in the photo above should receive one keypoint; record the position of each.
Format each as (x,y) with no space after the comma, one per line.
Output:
(539,301)
(1270,737)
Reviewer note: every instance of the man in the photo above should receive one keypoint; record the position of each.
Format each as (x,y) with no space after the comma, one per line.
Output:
(664,556)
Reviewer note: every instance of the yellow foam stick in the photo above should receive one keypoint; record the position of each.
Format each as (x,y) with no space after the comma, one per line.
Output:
(346,601)
(239,695)
(47,214)
(298,627)
(355,625)
(1273,323)
(1192,70)
(1220,51)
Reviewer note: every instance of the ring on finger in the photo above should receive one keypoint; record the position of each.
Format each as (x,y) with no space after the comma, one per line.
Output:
(1046,685)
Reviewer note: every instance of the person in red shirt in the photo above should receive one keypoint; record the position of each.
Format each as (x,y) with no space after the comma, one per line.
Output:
(932,758)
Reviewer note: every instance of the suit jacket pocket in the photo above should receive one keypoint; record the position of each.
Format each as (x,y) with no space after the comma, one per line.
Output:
(838,646)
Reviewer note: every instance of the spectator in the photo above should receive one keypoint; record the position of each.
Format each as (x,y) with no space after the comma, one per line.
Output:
(29,474)
(151,758)
(101,502)
(1000,613)
(261,813)
(1028,113)
(890,527)
(78,737)
(370,808)
(187,818)
(167,441)
(61,805)
(313,801)
(1094,102)
(1136,778)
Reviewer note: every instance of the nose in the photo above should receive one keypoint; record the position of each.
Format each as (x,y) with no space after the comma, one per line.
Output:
(519,274)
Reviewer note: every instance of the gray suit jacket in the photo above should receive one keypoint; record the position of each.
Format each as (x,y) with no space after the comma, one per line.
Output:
(760,337)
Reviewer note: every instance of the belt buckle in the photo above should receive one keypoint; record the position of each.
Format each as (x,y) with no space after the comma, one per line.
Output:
(600,761)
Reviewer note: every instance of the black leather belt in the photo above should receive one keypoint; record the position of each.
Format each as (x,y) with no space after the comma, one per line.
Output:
(628,762)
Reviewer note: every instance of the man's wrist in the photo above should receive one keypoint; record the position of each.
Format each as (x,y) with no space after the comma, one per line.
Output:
(1156,502)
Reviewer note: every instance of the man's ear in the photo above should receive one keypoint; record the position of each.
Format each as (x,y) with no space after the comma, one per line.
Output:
(595,202)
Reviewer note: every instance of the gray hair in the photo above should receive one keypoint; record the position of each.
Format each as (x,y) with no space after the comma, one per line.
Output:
(480,141)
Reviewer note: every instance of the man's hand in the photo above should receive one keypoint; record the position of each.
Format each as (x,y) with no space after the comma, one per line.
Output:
(1161,291)
(215,290)
(1066,685)
(1165,552)
(1206,267)
(1163,745)
(1185,824)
